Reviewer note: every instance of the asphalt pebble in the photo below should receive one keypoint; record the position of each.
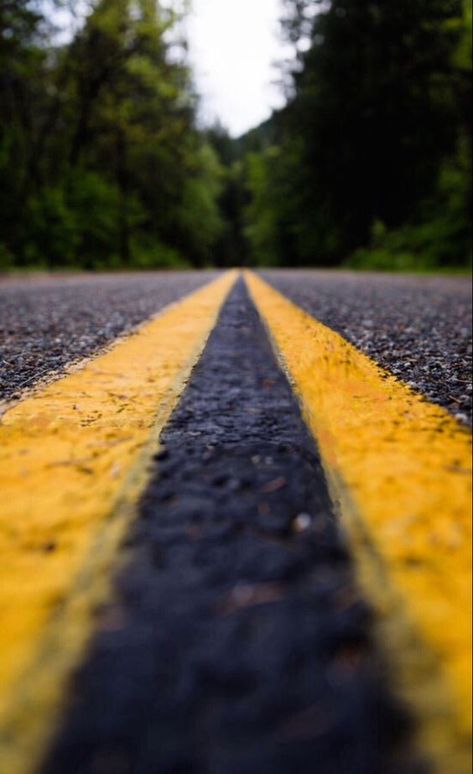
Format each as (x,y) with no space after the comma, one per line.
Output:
(418,328)
(49,323)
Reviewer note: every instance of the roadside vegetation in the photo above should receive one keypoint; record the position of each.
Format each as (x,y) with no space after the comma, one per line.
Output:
(103,164)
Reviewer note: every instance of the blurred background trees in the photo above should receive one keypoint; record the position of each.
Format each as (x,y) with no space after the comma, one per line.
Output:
(372,158)
(102,163)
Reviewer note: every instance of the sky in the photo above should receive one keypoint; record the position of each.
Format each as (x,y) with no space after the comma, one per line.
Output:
(233,47)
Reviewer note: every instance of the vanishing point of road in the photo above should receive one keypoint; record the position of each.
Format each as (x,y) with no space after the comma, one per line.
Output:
(235,524)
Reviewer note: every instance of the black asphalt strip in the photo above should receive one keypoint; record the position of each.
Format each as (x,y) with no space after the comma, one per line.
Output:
(238,643)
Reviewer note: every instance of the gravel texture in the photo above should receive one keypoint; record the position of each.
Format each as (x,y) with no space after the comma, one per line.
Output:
(419,328)
(48,323)
(238,642)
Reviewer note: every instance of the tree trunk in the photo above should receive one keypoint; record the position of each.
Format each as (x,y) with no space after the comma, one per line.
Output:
(123,205)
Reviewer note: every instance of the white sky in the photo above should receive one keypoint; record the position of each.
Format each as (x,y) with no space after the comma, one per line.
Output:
(233,47)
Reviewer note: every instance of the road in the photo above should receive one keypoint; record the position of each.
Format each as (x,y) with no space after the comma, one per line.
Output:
(46,323)
(419,328)
(212,564)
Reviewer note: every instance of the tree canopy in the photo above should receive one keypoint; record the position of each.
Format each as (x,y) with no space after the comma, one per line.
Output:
(103,163)
(376,134)
(100,159)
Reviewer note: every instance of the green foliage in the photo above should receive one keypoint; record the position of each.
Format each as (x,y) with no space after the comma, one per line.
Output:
(102,164)
(261,213)
(270,214)
(441,237)
(101,161)
(200,217)
(231,248)
(434,244)
(6,259)
(463,54)
(49,238)
(377,130)
(94,204)
(150,254)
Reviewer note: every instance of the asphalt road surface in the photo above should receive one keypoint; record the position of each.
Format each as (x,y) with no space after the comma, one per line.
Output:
(48,323)
(243,632)
(237,639)
(419,328)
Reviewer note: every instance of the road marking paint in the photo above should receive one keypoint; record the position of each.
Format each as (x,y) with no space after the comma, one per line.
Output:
(73,461)
(400,472)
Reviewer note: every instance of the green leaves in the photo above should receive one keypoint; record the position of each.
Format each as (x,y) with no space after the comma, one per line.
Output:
(377,113)
(98,145)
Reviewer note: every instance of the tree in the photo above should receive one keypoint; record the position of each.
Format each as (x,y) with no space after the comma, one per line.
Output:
(21,59)
(372,116)
(104,163)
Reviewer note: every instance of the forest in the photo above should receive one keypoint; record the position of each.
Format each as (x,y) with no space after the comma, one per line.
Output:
(104,163)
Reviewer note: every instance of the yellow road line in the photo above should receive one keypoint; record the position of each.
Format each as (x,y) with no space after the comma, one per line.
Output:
(72,463)
(400,471)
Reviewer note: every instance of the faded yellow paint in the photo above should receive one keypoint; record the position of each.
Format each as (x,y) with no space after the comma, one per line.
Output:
(72,462)
(400,470)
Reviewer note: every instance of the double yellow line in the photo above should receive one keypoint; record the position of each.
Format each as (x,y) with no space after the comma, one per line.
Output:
(73,461)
